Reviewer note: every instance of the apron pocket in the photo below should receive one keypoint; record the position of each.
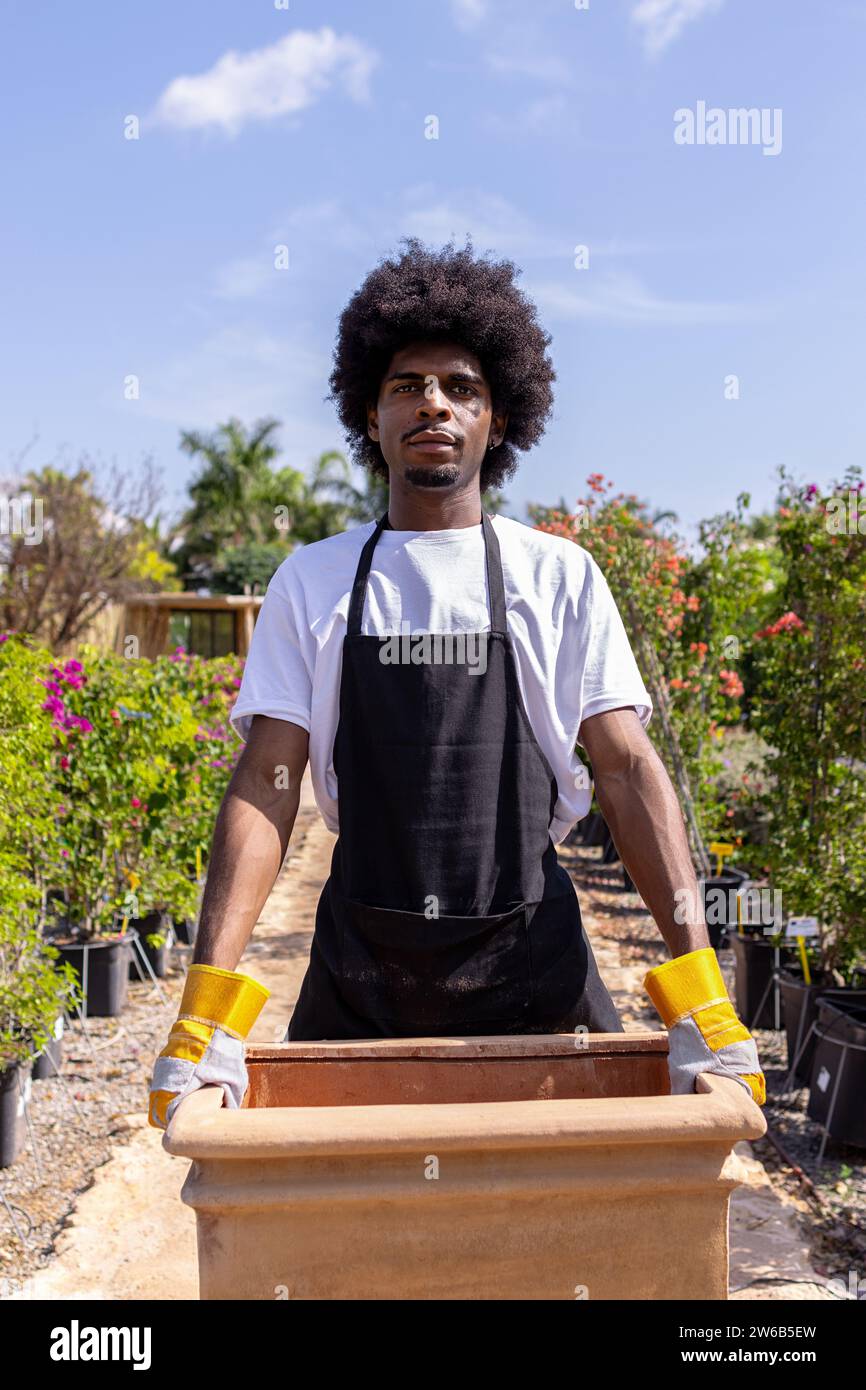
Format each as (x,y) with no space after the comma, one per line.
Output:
(417,972)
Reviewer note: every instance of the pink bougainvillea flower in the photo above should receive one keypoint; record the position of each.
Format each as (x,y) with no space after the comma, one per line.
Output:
(79,721)
(787,623)
(114,714)
(55,706)
(64,763)
(134,801)
(65,853)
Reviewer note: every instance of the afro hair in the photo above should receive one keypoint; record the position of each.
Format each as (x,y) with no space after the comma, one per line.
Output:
(451,295)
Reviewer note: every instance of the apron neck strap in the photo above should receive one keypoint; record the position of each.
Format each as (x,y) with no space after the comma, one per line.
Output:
(493,563)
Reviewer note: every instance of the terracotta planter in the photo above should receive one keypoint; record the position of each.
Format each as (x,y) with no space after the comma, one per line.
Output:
(464,1168)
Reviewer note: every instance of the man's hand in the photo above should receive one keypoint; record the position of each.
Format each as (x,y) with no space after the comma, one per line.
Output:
(206,1045)
(704,1033)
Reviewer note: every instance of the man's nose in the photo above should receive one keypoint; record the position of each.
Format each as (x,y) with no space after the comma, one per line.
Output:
(434,402)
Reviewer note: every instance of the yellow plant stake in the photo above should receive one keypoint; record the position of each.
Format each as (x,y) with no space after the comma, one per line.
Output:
(198,861)
(721,849)
(800,928)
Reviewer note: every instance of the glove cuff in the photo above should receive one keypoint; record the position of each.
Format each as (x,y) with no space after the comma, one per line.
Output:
(222,999)
(680,986)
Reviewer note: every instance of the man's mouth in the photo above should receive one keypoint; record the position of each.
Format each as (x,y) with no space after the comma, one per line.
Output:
(432,442)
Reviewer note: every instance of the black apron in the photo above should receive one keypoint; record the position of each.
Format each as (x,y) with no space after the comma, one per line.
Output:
(446,911)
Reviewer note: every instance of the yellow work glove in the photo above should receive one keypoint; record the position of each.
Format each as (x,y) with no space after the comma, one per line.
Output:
(206,1045)
(704,1033)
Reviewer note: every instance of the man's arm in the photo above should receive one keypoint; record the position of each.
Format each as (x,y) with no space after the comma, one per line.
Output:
(641,808)
(250,839)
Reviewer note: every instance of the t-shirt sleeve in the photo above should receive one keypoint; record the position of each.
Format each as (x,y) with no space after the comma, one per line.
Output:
(608,676)
(278,673)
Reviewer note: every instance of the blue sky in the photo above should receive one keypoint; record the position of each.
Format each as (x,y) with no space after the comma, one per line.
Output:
(305,127)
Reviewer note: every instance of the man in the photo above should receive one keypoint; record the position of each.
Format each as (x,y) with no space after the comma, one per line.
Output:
(447,764)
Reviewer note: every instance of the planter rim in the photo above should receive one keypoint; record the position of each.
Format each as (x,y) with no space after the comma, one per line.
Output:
(499,1048)
(719,1112)
(94,941)
(797,981)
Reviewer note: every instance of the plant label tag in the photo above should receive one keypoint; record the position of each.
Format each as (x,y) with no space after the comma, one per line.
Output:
(822,1081)
(802,926)
(58,1028)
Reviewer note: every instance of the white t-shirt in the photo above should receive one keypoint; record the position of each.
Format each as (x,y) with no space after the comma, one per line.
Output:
(572,654)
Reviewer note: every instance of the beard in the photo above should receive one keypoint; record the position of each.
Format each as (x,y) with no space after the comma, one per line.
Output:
(440,475)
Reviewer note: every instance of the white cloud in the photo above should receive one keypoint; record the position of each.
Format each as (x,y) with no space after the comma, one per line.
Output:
(662,21)
(623,297)
(493,222)
(244,278)
(244,371)
(542,67)
(268,82)
(468,14)
(546,116)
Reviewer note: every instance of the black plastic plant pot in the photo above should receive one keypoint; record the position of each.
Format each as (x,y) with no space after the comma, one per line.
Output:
(186,930)
(837,1083)
(801,1011)
(14,1098)
(755,959)
(154,923)
(102,968)
(720,907)
(47,1063)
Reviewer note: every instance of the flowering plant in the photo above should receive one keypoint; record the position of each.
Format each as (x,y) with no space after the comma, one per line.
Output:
(810,707)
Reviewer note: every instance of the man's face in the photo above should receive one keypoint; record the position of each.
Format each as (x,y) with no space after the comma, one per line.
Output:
(434,418)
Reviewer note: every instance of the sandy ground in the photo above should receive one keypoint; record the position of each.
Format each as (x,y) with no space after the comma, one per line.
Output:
(130,1236)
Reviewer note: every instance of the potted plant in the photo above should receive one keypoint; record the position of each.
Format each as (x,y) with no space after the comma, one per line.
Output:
(113,793)
(165,894)
(33,993)
(809,674)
